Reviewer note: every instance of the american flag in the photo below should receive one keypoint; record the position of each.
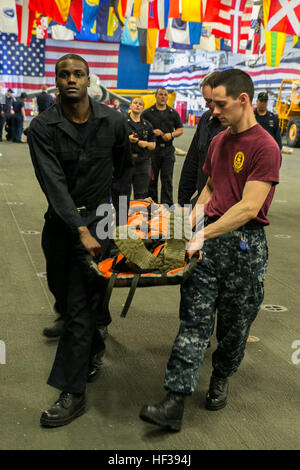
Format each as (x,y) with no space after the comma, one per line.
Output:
(22,68)
(102,58)
(177,79)
(27,68)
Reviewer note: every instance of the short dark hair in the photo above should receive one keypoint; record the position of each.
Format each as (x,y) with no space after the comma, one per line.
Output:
(74,57)
(235,82)
(160,88)
(209,79)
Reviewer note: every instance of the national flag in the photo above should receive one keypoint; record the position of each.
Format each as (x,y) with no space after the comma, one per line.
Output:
(271,77)
(162,41)
(153,21)
(89,17)
(296,42)
(40,26)
(130,32)
(255,30)
(60,32)
(102,58)
(174,11)
(191,10)
(8,17)
(147,44)
(108,26)
(178,31)
(75,14)
(25,19)
(275,41)
(137,7)
(176,79)
(22,68)
(58,10)
(283,16)
(163,13)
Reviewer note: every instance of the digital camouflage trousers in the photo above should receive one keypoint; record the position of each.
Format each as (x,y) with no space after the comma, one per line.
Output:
(227,282)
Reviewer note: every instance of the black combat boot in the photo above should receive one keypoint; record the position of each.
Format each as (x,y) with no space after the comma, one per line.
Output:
(68,407)
(56,330)
(216,397)
(167,413)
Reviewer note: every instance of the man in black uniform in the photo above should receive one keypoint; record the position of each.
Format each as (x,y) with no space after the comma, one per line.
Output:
(192,177)
(266,119)
(76,147)
(17,119)
(143,141)
(167,125)
(44,100)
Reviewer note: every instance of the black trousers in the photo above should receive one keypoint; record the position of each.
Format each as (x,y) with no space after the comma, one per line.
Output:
(79,295)
(162,162)
(141,178)
(2,121)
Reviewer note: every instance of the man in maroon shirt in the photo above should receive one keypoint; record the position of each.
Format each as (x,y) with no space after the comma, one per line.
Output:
(242,165)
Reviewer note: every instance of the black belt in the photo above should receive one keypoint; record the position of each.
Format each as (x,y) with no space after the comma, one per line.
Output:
(251,225)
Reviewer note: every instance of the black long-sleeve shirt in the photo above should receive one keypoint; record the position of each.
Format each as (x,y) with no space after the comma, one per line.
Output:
(270,122)
(192,177)
(74,171)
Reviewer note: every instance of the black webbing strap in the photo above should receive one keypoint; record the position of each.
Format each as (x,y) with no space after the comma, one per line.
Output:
(133,286)
(109,289)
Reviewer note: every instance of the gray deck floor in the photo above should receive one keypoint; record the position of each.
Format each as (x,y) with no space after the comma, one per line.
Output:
(264,404)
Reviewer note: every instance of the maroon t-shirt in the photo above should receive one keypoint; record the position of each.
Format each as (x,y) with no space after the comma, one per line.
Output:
(234,159)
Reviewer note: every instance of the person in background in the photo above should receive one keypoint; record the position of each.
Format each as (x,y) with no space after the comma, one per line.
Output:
(266,119)
(18,118)
(167,126)
(192,177)
(242,165)
(2,105)
(44,100)
(143,141)
(8,112)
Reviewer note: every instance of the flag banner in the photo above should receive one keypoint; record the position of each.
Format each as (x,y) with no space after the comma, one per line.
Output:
(90,13)
(108,26)
(183,77)
(22,67)
(283,16)
(130,32)
(61,33)
(153,21)
(75,14)
(162,41)
(40,26)
(191,10)
(25,18)
(253,44)
(296,42)
(58,10)
(178,31)
(102,59)
(275,44)
(163,13)
(8,17)
(271,77)
(174,11)
(142,17)
(148,39)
